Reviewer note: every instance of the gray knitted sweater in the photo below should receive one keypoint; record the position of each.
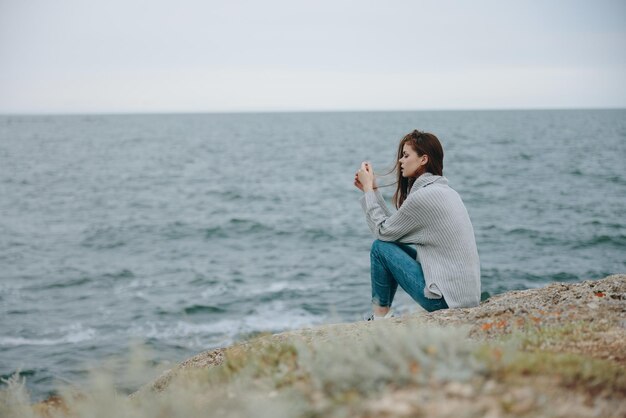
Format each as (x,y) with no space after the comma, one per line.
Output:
(434,218)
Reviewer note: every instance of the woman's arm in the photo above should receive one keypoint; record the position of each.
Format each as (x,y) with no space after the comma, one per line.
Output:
(389,228)
(379,196)
(381,202)
(382,223)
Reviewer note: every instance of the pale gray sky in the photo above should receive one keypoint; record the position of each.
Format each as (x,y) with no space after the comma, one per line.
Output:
(86,56)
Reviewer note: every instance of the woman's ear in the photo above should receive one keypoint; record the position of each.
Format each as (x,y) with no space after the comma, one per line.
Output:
(424,160)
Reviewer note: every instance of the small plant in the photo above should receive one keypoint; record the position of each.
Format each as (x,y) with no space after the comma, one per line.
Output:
(341,375)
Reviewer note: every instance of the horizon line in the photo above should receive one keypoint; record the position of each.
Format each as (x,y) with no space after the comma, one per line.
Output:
(280,111)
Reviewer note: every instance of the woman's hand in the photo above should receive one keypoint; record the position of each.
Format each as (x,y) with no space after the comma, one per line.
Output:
(357,183)
(364,178)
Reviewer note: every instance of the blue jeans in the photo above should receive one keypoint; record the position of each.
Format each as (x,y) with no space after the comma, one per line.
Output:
(394,264)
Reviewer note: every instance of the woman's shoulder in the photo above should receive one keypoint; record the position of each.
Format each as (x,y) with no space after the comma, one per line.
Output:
(434,192)
(428,181)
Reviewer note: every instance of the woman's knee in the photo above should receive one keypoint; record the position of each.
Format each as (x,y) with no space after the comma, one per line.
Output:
(382,250)
(378,245)
(377,248)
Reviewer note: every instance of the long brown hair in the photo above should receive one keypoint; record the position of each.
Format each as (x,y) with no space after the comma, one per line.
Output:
(422,143)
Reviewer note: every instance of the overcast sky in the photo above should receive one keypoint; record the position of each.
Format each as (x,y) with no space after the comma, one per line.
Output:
(86,56)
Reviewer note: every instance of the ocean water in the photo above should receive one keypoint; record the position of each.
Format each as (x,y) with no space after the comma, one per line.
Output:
(189,232)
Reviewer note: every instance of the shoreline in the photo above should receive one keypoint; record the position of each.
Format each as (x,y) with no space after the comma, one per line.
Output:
(559,350)
(498,315)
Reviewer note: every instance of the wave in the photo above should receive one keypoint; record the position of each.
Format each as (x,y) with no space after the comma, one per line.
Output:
(237,227)
(523,231)
(226,195)
(80,281)
(215,232)
(61,285)
(561,276)
(618,241)
(200,280)
(496,281)
(74,337)
(539,238)
(113,237)
(616,179)
(604,223)
(17,311)
(247,225)
(177,230)
(182,329)
(202,309)
(122,274)
(269,317)
(104,238)
(318,234)
(21,373)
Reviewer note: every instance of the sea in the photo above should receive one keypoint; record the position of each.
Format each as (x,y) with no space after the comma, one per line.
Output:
(186,232)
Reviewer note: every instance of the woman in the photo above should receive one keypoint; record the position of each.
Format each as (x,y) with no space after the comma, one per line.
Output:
(444,271)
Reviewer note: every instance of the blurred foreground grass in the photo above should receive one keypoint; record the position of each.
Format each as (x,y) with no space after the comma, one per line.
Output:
(408,369)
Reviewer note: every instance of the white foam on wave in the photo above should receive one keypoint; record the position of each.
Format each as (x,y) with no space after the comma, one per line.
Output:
(289,285)
(274,317)
(135,285)
(250,291)
(187,334)
(279,286)
(75,334)
(166,331)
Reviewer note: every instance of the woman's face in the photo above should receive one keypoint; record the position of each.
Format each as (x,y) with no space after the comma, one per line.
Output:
(410,162)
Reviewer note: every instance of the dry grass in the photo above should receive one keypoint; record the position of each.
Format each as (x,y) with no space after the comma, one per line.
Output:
(411,369)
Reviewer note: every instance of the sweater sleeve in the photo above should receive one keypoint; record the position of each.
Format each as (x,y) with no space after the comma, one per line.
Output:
(381,202)
(388,227)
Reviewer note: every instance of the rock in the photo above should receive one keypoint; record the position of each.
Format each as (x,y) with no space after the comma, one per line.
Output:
(462,390)
(557,304)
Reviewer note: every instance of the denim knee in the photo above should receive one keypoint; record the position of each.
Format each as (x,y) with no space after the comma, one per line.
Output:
(377,245)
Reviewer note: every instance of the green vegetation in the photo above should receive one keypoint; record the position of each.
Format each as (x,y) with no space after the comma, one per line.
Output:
(345,375)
